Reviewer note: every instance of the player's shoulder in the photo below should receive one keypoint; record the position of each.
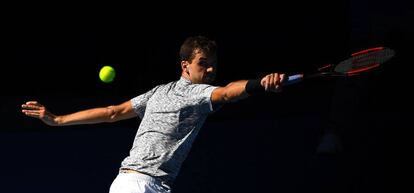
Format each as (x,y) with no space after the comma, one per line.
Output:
(201,88)
(164,86)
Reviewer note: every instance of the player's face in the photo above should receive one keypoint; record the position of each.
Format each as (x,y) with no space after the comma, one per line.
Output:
(202,69)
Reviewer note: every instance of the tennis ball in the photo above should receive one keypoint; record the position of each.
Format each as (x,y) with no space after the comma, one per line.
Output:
(107,74)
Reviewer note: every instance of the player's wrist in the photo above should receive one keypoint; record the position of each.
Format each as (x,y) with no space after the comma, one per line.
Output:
(254,86)
(56,120)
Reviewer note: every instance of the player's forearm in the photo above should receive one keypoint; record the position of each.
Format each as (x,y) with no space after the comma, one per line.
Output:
(90,116)
(235,91)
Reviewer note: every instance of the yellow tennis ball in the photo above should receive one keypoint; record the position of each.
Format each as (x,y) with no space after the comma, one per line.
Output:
(107,74)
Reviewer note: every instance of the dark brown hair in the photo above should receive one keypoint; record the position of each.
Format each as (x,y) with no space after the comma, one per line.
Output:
(194,43)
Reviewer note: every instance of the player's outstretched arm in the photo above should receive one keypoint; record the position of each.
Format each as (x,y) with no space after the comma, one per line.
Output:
(89,116)
(243,88)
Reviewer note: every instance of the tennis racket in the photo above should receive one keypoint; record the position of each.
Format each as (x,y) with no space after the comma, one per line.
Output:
(358,63)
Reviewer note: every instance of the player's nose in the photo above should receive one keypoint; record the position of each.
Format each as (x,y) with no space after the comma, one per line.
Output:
(210,69)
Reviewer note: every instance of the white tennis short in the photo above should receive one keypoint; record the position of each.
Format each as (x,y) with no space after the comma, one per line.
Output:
(136,183)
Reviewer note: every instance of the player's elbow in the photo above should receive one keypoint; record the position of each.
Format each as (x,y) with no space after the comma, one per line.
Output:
(220,95)
(226,98)
(225,95)
(111,114)
(230,97)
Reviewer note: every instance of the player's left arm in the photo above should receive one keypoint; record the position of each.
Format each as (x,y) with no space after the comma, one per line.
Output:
(89,116)
(111,113)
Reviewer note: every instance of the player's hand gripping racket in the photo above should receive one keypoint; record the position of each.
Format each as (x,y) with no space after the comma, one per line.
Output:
(358,63)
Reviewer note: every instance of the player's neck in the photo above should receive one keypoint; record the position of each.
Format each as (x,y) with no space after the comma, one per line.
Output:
(185,75)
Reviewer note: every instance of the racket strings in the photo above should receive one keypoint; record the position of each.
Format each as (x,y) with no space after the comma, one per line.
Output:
(370,59)
(364,61)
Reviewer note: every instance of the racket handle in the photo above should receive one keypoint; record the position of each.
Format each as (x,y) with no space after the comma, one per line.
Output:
(292,79)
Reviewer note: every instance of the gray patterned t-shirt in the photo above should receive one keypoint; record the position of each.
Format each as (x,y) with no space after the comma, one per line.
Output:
(172,115)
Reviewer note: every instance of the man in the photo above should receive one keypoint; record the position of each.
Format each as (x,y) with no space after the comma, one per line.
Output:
(171,114)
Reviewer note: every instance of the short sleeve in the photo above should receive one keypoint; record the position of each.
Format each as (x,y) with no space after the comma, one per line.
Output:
(139,103)
(202,92)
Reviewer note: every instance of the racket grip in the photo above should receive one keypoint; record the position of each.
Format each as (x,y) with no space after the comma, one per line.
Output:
(292,79)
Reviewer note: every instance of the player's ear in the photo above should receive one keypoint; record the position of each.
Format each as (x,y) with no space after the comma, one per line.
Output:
(184,66)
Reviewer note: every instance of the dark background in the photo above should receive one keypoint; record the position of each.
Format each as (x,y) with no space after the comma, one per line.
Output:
(265,143)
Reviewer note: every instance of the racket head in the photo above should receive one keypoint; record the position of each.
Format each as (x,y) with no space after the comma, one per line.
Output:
(364,60)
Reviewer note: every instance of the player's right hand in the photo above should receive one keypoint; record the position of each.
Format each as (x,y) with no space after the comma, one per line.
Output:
(273,82)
